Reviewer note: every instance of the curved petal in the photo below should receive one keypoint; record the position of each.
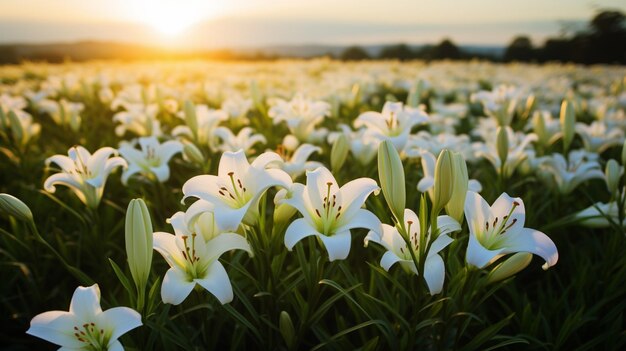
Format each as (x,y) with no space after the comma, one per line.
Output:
(354,193)
(55,327)
(502,206)
(132,155)
(434,273)
(319,183)
(264,159)
(479,256)
(111,164)
(533,241)
(120,320)
(179,223)
(115,345)
(233,162)
(203,186)
(85,302)
(226,242)
(477,212)
(62,179)
(337,245)
(303,153)
(425,183)
(389,259)
(162,172)
(165,244)
(217,283)
(66,163)
(298,230)
(447,224)
(129,172)
(169,149)
(361,219)
(98,159)
(176,286)
(439,244)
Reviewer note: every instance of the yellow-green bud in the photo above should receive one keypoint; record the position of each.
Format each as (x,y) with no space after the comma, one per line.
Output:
(16,127)
(391,175)
(3,119)
(191,118)
(413,100)
(624,154)
(539,127)
(510,267)
(339,152)
(612,174)
(193,154)
(530,105)
(285,325)
(444,181)
(13,206)
(455,206)
(139,242)
(502,144)
(568,123)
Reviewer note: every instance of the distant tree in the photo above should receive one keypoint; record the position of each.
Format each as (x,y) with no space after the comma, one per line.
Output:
(400,52)
(446,50)
(520,49)
(354,53)
(607,41)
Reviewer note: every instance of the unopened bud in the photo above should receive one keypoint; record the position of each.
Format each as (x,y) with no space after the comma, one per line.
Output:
(285,325)
(16,127)
(13,206)
(539,127)
(138,233)
(568,122)
(191,118)
(502,144)
(193,154)
(391,175)
(612,174)
(290,142)
(510,267)
(456,205)
(624,154)
(339,152)
(444,178)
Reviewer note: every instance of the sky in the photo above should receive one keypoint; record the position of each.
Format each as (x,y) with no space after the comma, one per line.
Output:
(256,23)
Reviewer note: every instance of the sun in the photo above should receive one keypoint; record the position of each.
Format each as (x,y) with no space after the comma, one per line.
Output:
(171,18)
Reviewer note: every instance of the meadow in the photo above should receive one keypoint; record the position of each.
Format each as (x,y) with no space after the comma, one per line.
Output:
(291,205)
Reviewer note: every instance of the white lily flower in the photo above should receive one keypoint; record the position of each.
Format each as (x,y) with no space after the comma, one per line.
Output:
(579,167)
(86,326)
(598,137)
(426,184)
(152,159)
(233,194)
(595,216)
(208,120)
(302,116)
(295,160)
(518,151)
(139,119)
(398,251)
(237,108)
(498,230)
(63,112)
(244,140)
(363,145)
(194,260)
(330,212)
(499,103)
(394,123)
(85,174)
(435,143)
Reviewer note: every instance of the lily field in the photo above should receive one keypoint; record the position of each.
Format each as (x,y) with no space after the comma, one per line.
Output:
(312,205)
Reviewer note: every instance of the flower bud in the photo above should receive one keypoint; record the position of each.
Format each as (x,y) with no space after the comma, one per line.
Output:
(444,178)
(191,118)
(138,232)
(282,212)
(531,102)
(502,144)
(16,127)
(612,175)
(391,175)
(285,325)
(3,119)
(539,127)
(339,152)
(624,154)
(568,122)
(290,142)
(15,207)
(413,100)
(455,206)
(510,267)
(193,154)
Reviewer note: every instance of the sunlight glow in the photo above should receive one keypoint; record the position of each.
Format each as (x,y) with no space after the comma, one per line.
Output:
(173,17)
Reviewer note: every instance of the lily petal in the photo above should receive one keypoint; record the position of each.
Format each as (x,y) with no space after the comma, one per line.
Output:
(479,256)
(337,245)
(217,283)
(55,327)
(86,302)
(226,242)
(533,241)
(434,273)
(120,320)
(176,286)
(298,230)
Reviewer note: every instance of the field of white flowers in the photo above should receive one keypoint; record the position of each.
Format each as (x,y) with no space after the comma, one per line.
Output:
(312,205)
